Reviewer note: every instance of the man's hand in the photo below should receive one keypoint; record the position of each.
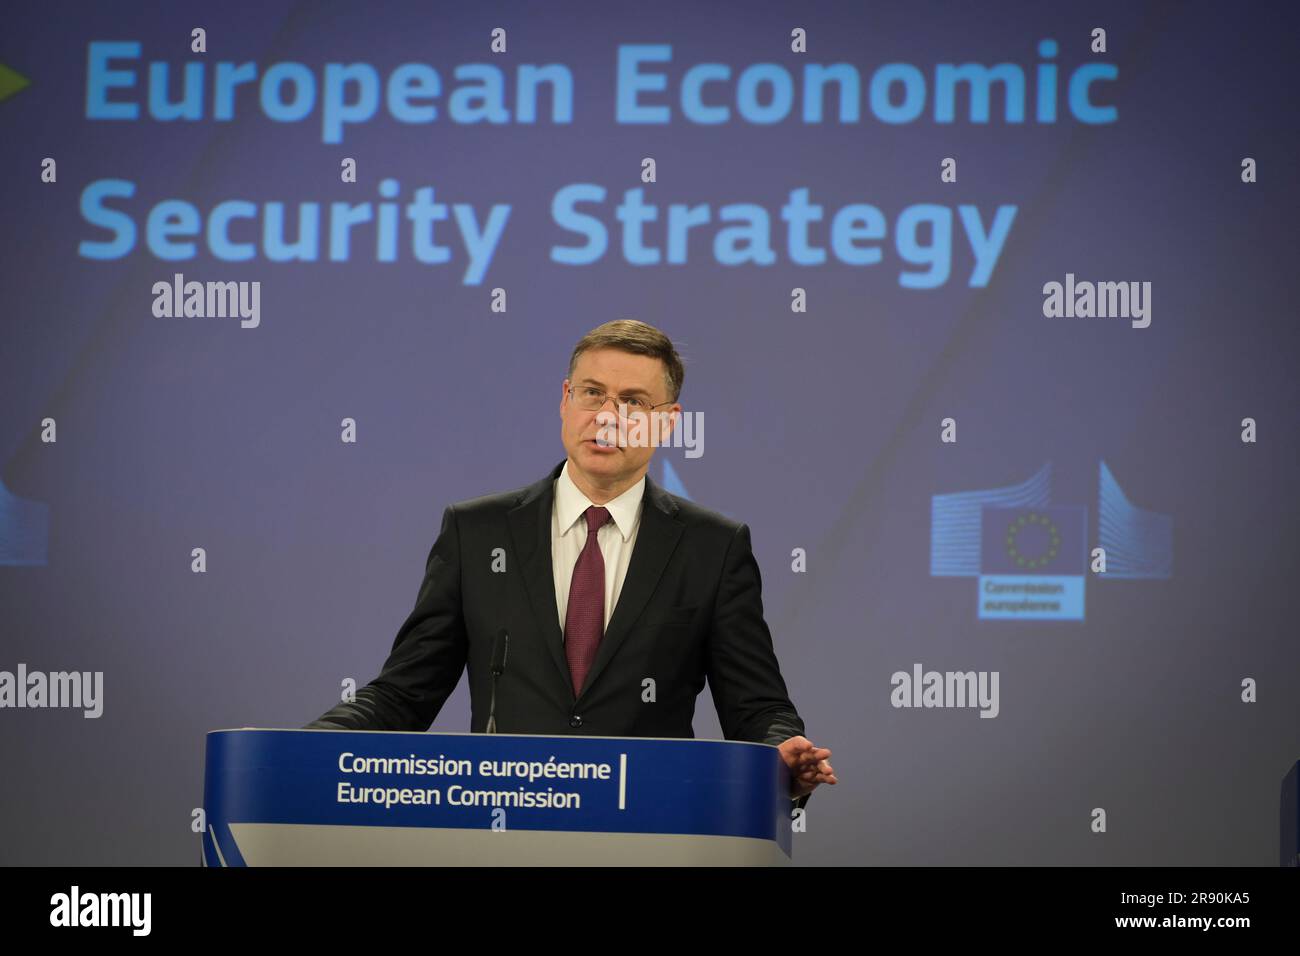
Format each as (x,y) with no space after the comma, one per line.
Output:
(807,763)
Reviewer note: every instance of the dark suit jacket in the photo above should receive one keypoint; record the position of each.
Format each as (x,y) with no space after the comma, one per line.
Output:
(690,608)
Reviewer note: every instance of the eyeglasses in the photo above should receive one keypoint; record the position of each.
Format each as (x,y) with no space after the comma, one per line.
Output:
(593,399)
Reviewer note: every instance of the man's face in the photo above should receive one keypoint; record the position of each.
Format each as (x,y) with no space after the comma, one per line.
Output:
(620,375)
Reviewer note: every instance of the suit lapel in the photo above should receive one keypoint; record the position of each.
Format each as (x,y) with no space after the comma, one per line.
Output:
(530,529)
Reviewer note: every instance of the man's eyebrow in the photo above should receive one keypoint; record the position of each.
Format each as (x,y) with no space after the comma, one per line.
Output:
(601,385)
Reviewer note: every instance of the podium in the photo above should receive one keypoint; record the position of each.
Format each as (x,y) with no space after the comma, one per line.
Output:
(379,798)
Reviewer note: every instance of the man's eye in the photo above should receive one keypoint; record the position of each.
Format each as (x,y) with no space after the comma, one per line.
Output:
(634,403)
(591,392)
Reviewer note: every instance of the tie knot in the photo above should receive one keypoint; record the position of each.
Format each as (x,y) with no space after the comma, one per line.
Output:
(596,518)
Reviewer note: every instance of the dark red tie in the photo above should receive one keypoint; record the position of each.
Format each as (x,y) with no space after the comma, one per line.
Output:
(584,618)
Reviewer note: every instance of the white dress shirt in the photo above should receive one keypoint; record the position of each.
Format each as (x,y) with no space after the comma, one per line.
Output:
(569,536)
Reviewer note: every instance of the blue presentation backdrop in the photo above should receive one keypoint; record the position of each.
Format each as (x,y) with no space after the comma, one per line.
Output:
(854,249)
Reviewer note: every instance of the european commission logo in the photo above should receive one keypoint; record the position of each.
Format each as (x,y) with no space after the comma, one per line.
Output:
(1030,557)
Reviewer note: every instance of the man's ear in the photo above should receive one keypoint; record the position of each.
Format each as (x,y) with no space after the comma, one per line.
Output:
(675,414)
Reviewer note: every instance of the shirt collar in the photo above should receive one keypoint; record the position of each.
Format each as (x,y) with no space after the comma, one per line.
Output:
(570,503)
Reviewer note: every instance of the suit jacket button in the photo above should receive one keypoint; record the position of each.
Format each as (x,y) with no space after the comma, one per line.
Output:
(575,721)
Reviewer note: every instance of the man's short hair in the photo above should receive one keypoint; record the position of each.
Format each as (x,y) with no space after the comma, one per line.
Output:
(630,335)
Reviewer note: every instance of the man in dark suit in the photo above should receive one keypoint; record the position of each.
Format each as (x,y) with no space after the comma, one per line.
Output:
(618,599)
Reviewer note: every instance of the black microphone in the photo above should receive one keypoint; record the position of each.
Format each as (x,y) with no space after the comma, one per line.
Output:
(500,647)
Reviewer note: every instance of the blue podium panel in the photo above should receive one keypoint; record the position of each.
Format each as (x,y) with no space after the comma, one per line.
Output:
(353,798)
